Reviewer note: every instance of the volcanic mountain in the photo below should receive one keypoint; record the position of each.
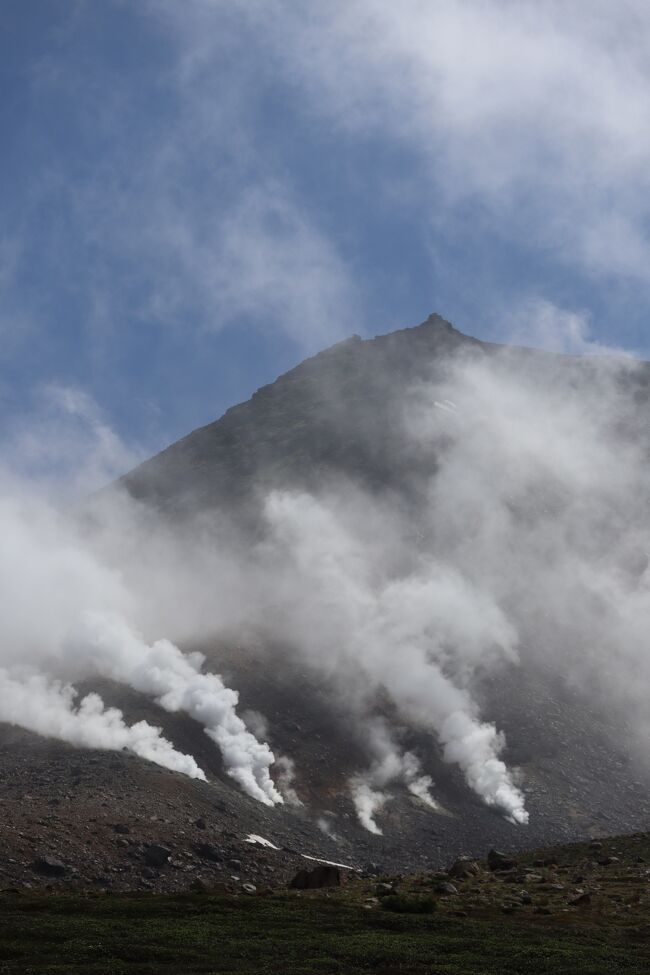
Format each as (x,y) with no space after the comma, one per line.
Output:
(417,514)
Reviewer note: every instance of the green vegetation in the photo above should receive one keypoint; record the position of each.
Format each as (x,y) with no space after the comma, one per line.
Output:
(294,935)
(401,904)
(582,909)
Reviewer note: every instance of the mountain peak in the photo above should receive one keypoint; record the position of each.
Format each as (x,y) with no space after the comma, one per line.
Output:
(437,321)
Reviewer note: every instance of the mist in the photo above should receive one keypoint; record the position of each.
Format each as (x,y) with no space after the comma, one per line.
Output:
(516,537)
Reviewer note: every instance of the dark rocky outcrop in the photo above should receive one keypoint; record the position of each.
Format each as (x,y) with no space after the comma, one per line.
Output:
(156,855)
(449,890)
(464,867)
(49,866)
(209,852)
(323,875)
(500,861)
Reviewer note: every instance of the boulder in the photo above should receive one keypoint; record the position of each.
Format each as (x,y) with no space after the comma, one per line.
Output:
(300,881)
(448,890)
(580,898)
(208,852)
(156,855)
(463,867)
(372,870)
(49,866)
(384,890)
(200,886)
(323,875)
(500,861)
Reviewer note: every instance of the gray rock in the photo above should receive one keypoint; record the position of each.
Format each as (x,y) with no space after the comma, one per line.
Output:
(208,852)
(372,869)
(323,875)
(580,899)
(156,855)
(384,890)
(464,867)
(449,890)
(49,866)
(500,861)
(200,886)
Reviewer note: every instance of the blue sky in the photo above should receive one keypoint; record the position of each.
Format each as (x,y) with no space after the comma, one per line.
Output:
(198,193)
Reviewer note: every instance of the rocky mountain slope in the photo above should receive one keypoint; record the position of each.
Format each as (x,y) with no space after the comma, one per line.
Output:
(337,416)
(339,412)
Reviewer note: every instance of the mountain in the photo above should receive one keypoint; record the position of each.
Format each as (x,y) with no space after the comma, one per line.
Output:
(333,413)
(415,468)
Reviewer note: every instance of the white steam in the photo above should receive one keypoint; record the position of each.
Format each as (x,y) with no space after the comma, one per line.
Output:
(390,765)
(286,777)
(52,584)
(525,544)
(367,802)
(175,681)
(418,784)
(48,708)
(411,638)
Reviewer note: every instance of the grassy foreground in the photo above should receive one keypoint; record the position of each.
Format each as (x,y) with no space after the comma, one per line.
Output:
(294,935)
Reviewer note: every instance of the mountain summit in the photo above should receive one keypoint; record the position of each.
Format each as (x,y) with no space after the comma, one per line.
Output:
(335,412)
(407,589)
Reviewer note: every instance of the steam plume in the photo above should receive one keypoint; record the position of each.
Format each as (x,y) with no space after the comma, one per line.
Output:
(51,581)
(175,681)
(394,635)
(367,788)
(47,707)
(525,543)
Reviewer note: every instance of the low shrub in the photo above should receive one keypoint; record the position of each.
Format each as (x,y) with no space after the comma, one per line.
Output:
(403,904)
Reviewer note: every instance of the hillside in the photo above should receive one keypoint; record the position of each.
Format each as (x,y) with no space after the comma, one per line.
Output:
(559,911)
(433,508)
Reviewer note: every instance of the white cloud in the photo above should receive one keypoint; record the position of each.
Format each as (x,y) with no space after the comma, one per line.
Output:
(66,617)
(539,323)
(64,443)
(535,108)
(197,223)
(260,257)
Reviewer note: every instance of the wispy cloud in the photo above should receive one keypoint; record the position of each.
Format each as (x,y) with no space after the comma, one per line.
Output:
(535,109)
(544,325)
(64,444)
(190,220)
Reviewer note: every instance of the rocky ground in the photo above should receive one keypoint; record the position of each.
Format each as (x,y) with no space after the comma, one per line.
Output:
(555,911)
(100,813)
(605,882)
(75,820)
